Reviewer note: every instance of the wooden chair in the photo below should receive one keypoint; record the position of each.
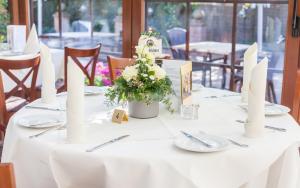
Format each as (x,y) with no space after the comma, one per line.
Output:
(270,90)
(3,111)
(76,53)
(20,95)
(117,64)
(7,177)
(296,102)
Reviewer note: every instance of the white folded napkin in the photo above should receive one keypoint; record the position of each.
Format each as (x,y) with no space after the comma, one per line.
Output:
(75,104)
(255,124)
(33,44)
(48,76)
(250,60)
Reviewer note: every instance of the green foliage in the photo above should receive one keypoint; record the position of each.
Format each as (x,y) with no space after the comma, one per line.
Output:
(151,33)
(166,16)
(4,19)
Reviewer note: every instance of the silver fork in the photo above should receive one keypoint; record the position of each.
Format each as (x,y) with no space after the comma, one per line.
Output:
(233,142)
(266,126)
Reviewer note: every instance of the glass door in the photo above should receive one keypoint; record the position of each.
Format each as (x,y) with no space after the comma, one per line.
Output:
(215,35)
(80,23)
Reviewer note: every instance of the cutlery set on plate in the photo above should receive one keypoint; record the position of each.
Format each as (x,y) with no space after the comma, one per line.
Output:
(196,141)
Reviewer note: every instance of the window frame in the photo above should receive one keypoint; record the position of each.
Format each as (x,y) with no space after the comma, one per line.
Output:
(231,65)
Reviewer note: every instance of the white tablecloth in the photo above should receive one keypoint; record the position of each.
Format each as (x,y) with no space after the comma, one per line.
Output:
(58,61)
(148,158)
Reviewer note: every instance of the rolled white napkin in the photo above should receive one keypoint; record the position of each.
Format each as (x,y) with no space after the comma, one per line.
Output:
(48,76)
(250,60)
(256,101)
(33,44)
(75,104)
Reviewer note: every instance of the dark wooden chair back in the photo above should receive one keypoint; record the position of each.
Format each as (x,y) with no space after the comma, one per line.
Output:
(116,64)
(3,112)
(21,90)
(7,177)
(76,53)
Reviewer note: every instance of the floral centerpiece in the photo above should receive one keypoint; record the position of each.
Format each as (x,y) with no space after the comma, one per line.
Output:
(143,85)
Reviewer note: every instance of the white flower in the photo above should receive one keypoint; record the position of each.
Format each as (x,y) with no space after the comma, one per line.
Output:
(159,72)
(139,49)
(150,57)
(130,73)
(151,77)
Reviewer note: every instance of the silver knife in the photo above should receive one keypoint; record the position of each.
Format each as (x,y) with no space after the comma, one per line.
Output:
(47,130)
(106,143)
(197,139)
(44,108)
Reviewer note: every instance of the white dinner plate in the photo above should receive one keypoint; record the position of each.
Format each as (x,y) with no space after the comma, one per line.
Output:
(38,121)
(271,109)
(94,90)
(10,53)
(185,143)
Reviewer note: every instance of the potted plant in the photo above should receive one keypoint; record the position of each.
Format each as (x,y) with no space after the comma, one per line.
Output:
(143,85)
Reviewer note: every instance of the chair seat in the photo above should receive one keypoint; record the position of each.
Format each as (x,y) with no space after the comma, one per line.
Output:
(13,104)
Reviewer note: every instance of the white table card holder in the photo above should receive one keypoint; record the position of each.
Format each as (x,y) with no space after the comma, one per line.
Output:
(173,70)
(32,44)
(255,125)
(186,83)
(250,60)
(75,104)
(48,76)
(16,37)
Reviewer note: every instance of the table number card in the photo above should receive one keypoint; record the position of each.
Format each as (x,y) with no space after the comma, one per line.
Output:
(154,44)
(186,83)
(119,116)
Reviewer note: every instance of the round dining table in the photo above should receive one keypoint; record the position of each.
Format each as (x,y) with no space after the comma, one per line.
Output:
(148,158)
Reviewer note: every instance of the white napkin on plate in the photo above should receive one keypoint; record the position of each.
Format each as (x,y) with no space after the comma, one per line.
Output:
(250,60)
(256,101)
(33,44)
(48,76)
(75,104)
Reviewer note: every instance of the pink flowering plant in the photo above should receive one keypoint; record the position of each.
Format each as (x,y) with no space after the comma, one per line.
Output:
(102,75)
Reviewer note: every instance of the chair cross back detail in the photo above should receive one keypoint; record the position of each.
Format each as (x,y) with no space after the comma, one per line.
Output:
(33,65)
(117,64)
(74,53)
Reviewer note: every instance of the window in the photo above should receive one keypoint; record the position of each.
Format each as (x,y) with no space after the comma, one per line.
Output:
(208,32)
(80,23)
(4,19)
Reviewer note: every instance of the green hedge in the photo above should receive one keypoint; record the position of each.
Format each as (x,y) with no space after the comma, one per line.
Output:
(4,19)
